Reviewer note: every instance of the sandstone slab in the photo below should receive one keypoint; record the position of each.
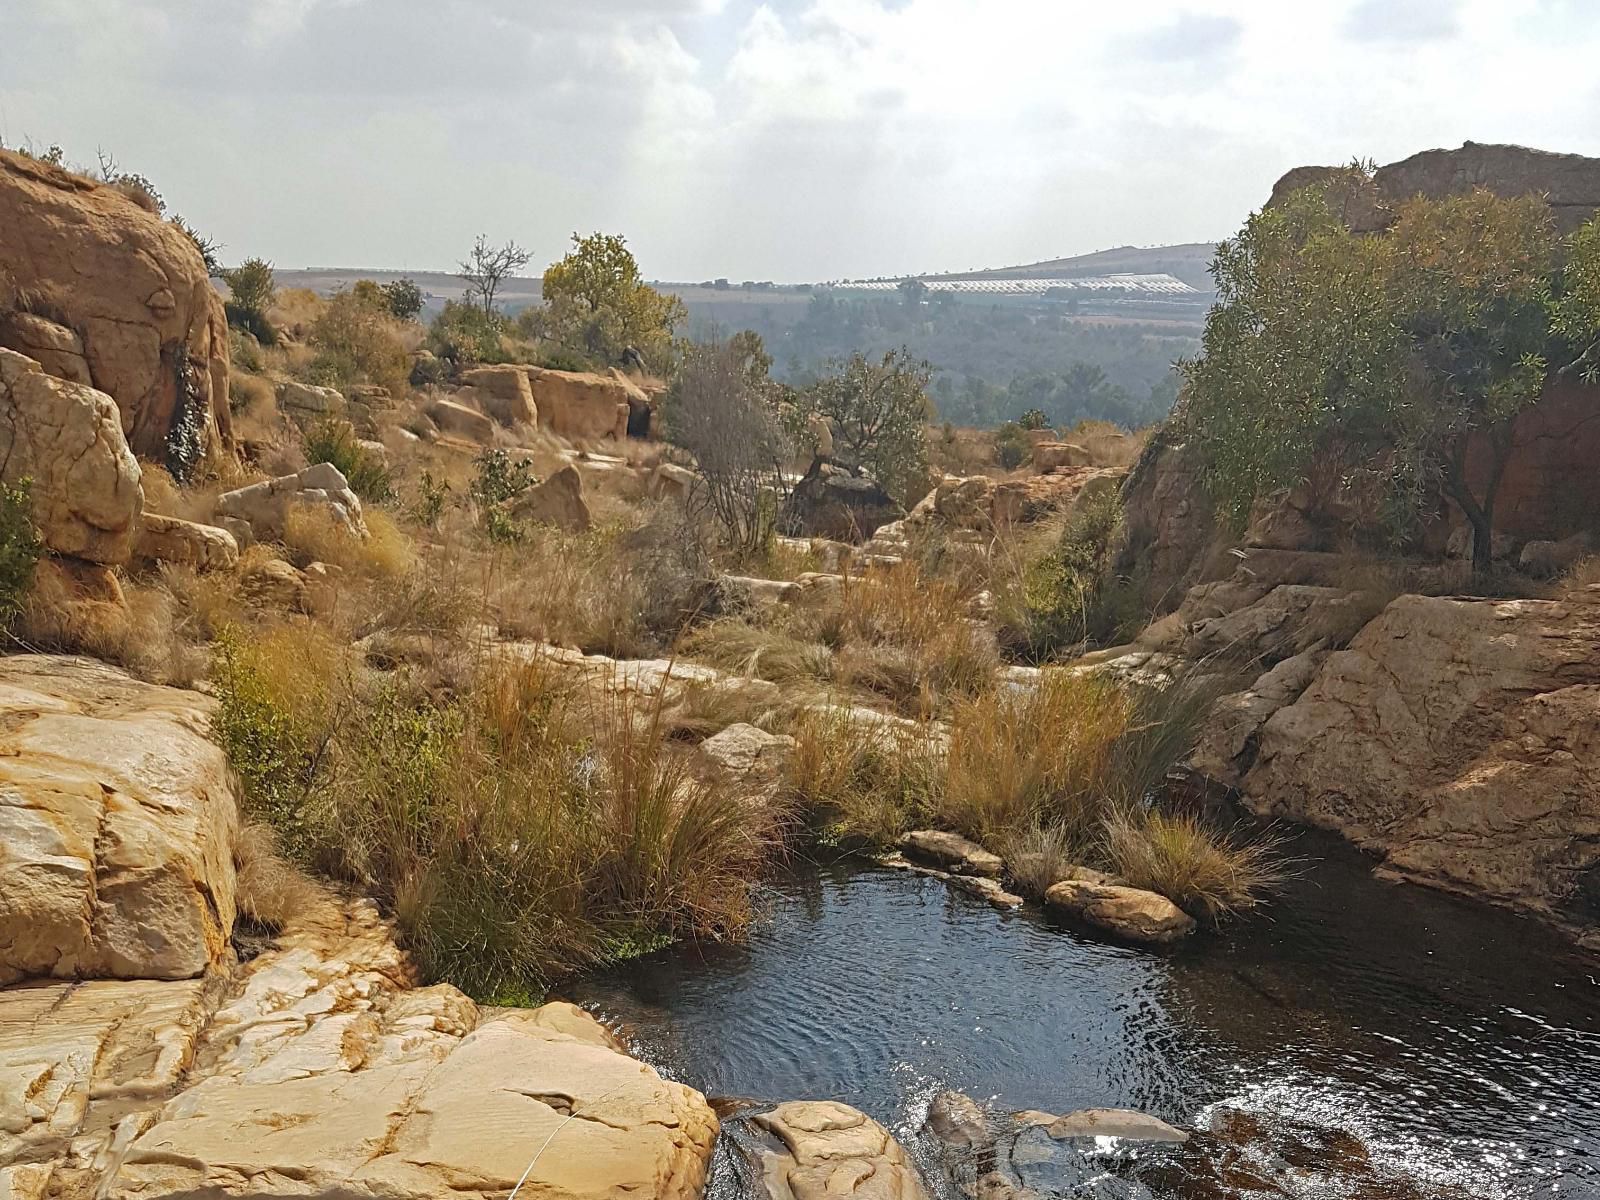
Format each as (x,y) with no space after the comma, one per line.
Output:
(1129,913)
(265,506)
(171,539)
(117,826)
(952,852)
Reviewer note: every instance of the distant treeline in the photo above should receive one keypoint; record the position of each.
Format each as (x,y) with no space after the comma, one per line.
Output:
(993,360)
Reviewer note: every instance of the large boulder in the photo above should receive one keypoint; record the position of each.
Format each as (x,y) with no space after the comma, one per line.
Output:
(1168,522)
(832,503)
(128,293)
(503,392)
(582,405)
(556,501)
(1131,914)
(174,540)
(459,420)
(265,506)
(67,439)
(319,1068)
(117,826)
(1460,739)
(827,1149)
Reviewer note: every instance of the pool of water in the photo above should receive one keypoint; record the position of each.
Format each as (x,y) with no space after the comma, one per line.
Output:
(1457,1046)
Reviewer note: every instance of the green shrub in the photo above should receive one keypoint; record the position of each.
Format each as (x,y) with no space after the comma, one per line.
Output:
(465,334)
(432,495)
(357,341)
(1034,420)
(20,546)
(1011,446)
(253,288)
(334,441)
(501,477)
(403,298)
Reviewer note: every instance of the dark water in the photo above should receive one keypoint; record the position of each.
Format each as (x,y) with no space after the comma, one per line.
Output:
(1459,1047)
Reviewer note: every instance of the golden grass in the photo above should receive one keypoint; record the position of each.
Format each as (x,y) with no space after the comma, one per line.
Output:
(862,783)
(314,534)
(269,889)
(1204,873)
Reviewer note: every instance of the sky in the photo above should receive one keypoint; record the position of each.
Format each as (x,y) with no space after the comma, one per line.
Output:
(793,140)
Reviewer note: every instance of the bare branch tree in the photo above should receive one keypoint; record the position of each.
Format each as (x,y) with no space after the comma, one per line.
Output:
(487,268)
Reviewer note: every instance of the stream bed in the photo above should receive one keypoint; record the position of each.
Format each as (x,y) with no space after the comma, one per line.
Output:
(1374,1040)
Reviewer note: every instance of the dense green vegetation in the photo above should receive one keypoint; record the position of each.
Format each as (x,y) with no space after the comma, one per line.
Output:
(1380,360)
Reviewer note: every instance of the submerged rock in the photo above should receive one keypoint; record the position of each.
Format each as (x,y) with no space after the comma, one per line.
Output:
(1125,1124)
(1123,912)
(956,1119)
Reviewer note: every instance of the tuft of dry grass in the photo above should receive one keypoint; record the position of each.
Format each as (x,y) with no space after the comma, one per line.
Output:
(137,627)
(739,645)
(1203,872)
(861,782)
(1043,757)
(1038,856)
(316,535)
(269,889)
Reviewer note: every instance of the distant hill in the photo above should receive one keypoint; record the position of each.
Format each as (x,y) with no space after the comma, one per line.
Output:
(1188,262)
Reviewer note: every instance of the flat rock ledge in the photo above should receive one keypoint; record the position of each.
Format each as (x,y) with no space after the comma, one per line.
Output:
(951,852)
(1131,914)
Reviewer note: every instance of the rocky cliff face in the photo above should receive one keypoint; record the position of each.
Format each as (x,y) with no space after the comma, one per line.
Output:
(1460,739)
(99,291)
(1570,182)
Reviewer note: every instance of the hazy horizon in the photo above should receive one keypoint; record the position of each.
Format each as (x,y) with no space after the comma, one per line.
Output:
(795,140)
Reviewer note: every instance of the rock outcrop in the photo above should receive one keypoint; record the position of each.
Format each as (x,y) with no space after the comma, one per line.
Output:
(171,539)
(95,286)
(117,826)
(832,503)
(582,405)
(1460,739)
(66,438)
(1570,183)
(556,501)
(827,1149)
(501,391)
(265,506)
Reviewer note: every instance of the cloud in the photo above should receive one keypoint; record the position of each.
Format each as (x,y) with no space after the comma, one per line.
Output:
(781,139)
(1411,22)
(1191,37)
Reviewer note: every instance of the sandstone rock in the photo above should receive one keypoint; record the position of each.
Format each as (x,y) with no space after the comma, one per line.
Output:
(1229,738)
(67,439)
(265,506)
(322,588)
(1547,558)
(504,393)
(327,1073)
(273,583)
(1047,456)
(457,420)
(1168,521)
(670,481)
(582,405)
(170,539)
(754,761)
(1125,1124)
(54,347)
(832,1150)
(117,826)
(308,398)
(556,501)
(952,852)
(1458,738)
(1286,620)
(128,286)
(1123,912)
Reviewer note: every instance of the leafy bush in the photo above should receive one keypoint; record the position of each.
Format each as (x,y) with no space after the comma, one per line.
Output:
(500,477)
(1034,419)
(1011,446)
(1071,594)
(334,441)
(357,341)
(20,546)
(404,299)
(597,305)
(878,411)
(465,334)
(252,287)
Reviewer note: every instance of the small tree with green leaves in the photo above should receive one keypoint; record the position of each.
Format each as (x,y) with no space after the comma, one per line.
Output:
(1576,305)
(1394,351)
(879,412)
(597,304)
(1034,420)
(404,299)
(253,288)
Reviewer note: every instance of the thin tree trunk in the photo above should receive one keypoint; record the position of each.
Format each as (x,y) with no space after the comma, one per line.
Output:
(1480,513)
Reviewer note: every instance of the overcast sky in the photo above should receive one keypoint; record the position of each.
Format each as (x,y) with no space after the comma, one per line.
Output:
(787,140)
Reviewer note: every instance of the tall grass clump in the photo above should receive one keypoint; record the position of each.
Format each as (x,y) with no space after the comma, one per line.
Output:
(514,836)
(862,783)
(1205,873)
(1045,756)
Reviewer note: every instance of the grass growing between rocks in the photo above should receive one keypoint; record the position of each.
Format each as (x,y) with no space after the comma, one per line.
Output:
(513,839)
